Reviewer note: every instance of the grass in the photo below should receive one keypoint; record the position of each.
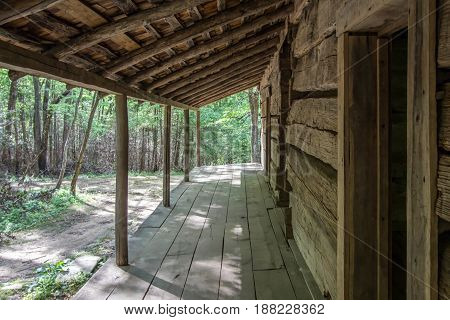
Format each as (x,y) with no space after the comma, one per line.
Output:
(29,209)
(47,286)
(131,174)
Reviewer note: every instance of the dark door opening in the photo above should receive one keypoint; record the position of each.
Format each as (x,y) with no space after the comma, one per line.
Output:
(397,159)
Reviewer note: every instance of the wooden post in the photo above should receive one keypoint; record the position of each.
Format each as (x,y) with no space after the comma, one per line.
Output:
(199,160)
(383,211)
(166,155)
(268,136)
(422,152)
(357,168)
(186,146)
(121,210)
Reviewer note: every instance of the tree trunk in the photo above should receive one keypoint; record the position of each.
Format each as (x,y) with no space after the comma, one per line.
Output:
(143,150)
(254,110)
(37,122)
(73,186)
(46,119)
(66,142)
(10,121)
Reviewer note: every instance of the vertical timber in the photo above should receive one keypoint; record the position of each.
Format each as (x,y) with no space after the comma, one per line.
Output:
(383,146)
(166,155)
(422,152)
(121,209)
(357,167)
(268,135)
(199,160)
(187,146)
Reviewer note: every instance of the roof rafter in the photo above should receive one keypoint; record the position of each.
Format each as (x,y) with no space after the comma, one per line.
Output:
(232,83)
(229,67)
(226,92)
(224,64)
(208,46)
(129,23)
(22,60)
(195,30)
(16,9)
(254,69)
(212,59)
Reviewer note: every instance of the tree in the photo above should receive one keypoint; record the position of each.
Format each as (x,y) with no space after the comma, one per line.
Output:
(253,98)
(96,99)
(66,141)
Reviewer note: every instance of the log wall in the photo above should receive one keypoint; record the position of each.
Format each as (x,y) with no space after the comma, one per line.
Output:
(311,135)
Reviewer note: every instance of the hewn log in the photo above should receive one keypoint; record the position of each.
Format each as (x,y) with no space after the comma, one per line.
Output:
(369,15)
(444,34)
(314,215)
(220,75)
(208,46)
(318,113)
(129,23)
(444,119)
(317,23)
(121,209)
(443,185)
(317,70)
(320,144)
(195,30)
(19,59)
(16,9)
(221,5)
(179,85)
(422,159)
(20,41)
(211,60)
(166,155)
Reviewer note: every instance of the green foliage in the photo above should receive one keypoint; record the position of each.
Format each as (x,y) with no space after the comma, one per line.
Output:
(225,130)
(28,209)
(47,286)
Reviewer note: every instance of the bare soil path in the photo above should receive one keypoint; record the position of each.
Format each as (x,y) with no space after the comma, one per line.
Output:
(84,228)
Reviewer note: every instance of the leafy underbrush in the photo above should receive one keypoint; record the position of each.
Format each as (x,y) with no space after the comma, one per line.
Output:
(26,209)
(48,285)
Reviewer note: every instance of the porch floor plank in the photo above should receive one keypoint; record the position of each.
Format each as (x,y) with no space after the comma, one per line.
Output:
(217,241)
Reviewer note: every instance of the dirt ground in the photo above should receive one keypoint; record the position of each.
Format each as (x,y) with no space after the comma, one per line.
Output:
(85,228)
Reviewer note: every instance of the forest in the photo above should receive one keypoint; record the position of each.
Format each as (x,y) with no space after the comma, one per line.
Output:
(58,150)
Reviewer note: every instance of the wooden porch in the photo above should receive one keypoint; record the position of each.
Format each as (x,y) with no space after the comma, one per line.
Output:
(221,238)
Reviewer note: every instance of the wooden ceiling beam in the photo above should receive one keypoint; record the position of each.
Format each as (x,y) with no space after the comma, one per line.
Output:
(212,59)
(15,9)
(228,93)
(221,65)
(26,61)
(234,69)
(232,82)
(221,80)
(126,6)
(208,46)
(193,31)
(129,23)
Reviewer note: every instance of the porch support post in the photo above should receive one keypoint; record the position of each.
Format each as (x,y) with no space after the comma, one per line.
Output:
(166,155)
(268,136)
(421,191)
(357,167)
(121,209)
(186,146)
(199,161)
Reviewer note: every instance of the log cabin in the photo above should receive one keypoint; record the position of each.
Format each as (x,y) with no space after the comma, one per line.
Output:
(353,197)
